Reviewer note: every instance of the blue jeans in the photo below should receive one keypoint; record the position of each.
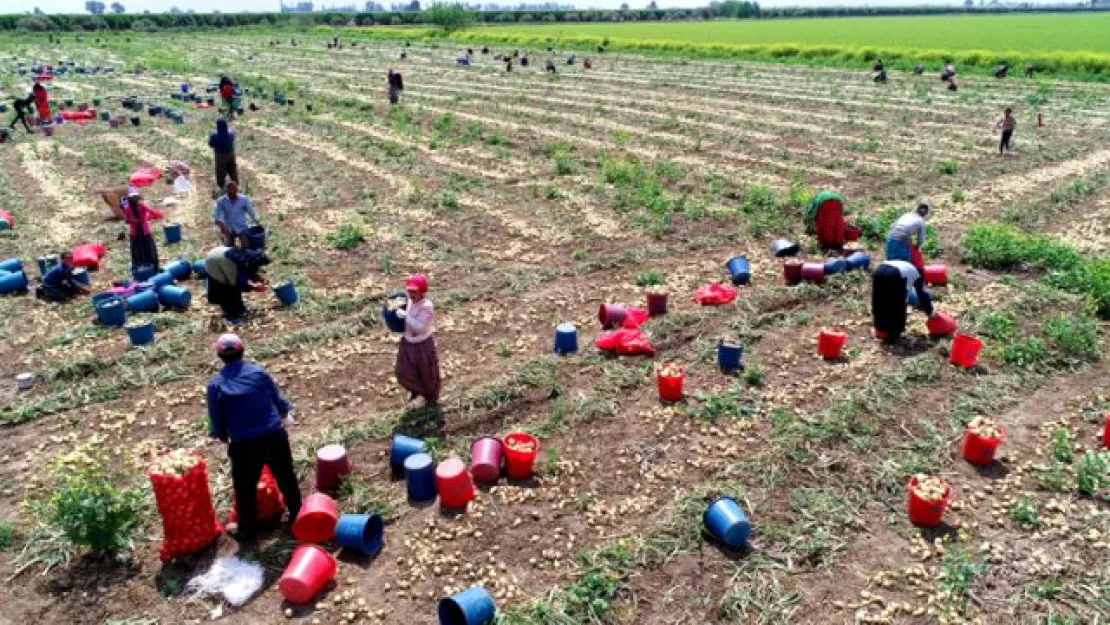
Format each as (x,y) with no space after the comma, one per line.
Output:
(898,250)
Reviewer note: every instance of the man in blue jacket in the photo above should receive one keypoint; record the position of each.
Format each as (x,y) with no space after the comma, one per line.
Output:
(247,411)
(59,285)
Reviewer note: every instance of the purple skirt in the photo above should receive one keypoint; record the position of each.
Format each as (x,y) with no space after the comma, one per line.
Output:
(418,369)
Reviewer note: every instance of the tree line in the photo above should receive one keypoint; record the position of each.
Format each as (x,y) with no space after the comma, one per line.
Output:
(119,21)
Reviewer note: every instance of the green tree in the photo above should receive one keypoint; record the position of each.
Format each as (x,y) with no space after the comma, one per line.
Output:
(449,17)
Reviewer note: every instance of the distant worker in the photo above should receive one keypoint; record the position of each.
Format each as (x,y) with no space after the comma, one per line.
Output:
(551,66)
(948,72)
(222,142)
(231,213)
(571,59)
(227,96)
(417,368)
(247,411)
(1000,71)
(587,63)
(396,86)
(58,284)
(232,272)
(952,85)
(918,69)
(1029,70)
(907,236)
(891,284)
(138,215)
(1008,124)
(880,76)
(878,66)
(508,65)
(21,107)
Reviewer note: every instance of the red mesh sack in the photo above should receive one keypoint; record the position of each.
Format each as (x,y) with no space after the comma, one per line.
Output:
(714,294)
(88,255)
(627,342)
(184,502)
(145,176)
(635,317)
(270,502)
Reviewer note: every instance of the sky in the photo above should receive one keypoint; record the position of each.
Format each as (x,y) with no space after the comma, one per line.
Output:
(230,6)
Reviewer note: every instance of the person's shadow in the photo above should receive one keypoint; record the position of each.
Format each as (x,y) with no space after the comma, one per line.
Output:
(422,422)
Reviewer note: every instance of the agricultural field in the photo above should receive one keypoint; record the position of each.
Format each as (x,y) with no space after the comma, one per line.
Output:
(531,199)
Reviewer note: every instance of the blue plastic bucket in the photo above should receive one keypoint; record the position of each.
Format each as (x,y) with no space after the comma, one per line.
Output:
(12,265)
(161,279)
(141,333)
(172,231)
(729,355)
(286,293)
(147,301)
(473,606)
(81,275)
(835,266)
(727,522)
(740,269)
(142,273)
(179,269)
(111,311)
(200,268)
(392,321)
(46,262)
(420,477)
(566,338)
(360,532)
(14,282)
(255,237)
(858,260)
(403,447)
(174,297)
(102,297)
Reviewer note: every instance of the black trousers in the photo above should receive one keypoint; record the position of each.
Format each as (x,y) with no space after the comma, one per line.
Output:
(20,116)
(228,297)
(144,251)
(888,301)
(247,459)
(1005,143)
(226,167)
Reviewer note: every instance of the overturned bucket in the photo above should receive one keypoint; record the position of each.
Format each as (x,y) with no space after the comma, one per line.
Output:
(473,606)
(403,447)
(360,532)
(286,292)
(726,521)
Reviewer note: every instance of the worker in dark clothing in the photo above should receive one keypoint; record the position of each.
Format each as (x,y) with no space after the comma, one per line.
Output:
(22,107)
(891,285)
(231,272)
(59,285)
(396,86)
(247,411)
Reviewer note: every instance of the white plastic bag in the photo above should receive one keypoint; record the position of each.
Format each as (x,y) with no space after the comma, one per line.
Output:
(236,580)
(181,185)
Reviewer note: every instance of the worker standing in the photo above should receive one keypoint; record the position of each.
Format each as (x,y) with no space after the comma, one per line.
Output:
(42,102)
(21,107)
(138,214)
(907,236)
(417,367)
(396,86)
(231,214)
(247,411)
(222,143)
(1008,124)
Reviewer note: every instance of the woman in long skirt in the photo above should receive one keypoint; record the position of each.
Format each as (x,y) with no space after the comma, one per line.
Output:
(138,214)
(417,362)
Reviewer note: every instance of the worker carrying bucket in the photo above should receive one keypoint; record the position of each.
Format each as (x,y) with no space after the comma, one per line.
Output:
(907,236)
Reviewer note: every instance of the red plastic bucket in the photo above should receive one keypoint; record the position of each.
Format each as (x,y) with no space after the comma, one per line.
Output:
(921,512)
(940,324)
(611,315)
(852,233)
(813,272)
(309,570)
(657,304)
(670,387)
(317,519)
(518,457)
(965,351)
(454,484)
(331,466)
(936,275)
(485,459)
(1106,431)
(830,343)
(979,449)
(792,272)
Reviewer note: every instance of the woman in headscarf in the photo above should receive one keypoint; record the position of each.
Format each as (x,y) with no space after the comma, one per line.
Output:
(232,272)
(42,102)
(417,367)
(396,86)
(138,214)
(227,95)
(891,285)
(222,143)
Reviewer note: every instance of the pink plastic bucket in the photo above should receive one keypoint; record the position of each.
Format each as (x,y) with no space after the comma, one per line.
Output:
(309,570)
(485,459)
(331,465)
(317,519)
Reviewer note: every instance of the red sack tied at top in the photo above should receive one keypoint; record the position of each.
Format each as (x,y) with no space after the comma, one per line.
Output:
(180,483)
(270,502)
(714,294)
(145,176)
(628,342)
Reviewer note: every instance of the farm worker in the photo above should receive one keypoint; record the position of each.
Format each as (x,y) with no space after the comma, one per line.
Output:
(587,63)
(222,143)
(948,72)
(907,235)
(952,86)
(42,101)
(508,66)
(550,66)
(878,66)
(22,106)
(231,213)
(890,286)
(138,214)
(231,272)
(247,411)
(1007,124)
(58,284)
(417,363)
(227,95)
(396,86)
(880,76)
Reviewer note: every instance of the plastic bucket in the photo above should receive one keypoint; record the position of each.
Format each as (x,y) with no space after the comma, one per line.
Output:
(965,351)
(360,532)
(15,282)
(924,513)
(980,449)
(729,355)
(782,247)
(403,447)
(161,279)
(1106,431)
(518,459)
(727,522)
(135,121)
(455,487)
(420,477)
(200,269)
(473,606)
(740,269)
(179,269)
(142,273)
(935,275)
(12,265)
(255,237)
(331,465)
(286,293)
(309,570)
(317,519)
(611,315)
(24,381)
(81,275)
(392,321)
(940,324)
(792,272)
(566,338)
(858,260)
(670,387)
(172,232)
(830,342)
(146,301)
(834,266)
(175,297)
(657,304)
(105,116)
(852,233)
(485,459)
(111,312)
(813,272)
(140,333)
